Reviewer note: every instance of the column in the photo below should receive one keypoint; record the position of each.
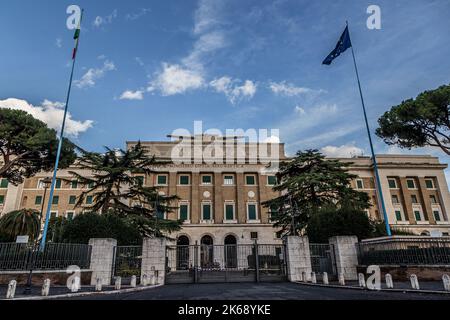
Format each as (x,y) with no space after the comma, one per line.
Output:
(345,249)
(102,260)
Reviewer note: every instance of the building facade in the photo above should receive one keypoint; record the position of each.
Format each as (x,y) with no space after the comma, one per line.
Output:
(221,203)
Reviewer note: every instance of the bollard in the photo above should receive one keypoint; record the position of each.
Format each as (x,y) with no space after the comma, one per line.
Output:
(98,285)
(118,283)
(362,280)
(75,286)
(389,282)
(342,279)
(325,278)
(446,281)
(313,277)
(304,277)
(152,280)
(145,280)
(11,289)
(133,282)
(46,288)
(156,277)
(414,282)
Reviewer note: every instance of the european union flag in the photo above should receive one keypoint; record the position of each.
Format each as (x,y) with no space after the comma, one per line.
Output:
(343,44)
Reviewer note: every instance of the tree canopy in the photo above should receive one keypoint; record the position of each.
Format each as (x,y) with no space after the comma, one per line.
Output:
(309,182)
(419,122)
(24,222)
(28,146)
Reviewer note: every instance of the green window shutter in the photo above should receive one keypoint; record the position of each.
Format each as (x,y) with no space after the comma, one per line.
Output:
(360,184)
(392,184)
(160,215)
(271,180)
(398,215)
(250,180)
(4,183)
(417,215)
(206,179)
(72,199)
(206,212)
(437,216)
(229,212)
(38,200)
(74,184)
(184,212)
(55,200)
(184,180)
(252,212)
(2,199)
(140,181)
(429,183)
(411,184)
(58,184)
(162,180)
(70,216)
(89,200)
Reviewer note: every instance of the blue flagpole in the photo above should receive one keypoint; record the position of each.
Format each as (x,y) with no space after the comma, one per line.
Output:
(375,164)
(58,155)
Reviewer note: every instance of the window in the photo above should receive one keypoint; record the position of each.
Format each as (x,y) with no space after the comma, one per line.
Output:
(74,184)
(254,235)
(2,199)
(3,183)
(72,199)
(437,215)
(184,211)
(398,215)
(206,212)
(58,184)
(38,200)
(252,213)
(411,184)
(417,215)
(206,179)
(140,180)
(55,200)
(228,180)
(160,215)
(90,185)
(70,215)
(53,215)
(414,199)
(161,180)
(250,180)
(271,180)
(429,183)
(392,183)
(395,199)
(89,200)
(229,211)
(433,199)
(359,184)
(184,180)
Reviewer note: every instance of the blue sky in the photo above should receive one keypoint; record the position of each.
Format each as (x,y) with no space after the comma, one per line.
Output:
(146,68)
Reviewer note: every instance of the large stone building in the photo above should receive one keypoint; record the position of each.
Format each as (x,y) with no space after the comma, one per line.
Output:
(222,202)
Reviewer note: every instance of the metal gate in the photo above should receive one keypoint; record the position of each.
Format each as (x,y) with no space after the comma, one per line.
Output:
(127,262)
(323,259)
(225,263)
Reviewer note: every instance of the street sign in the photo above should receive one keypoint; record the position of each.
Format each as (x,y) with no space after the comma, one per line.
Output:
(22,239)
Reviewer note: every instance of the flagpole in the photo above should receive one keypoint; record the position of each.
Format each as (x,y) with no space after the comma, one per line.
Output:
(61,138)
(375,164)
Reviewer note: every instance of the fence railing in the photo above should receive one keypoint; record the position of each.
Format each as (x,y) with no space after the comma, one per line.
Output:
(405,251)
(56,256)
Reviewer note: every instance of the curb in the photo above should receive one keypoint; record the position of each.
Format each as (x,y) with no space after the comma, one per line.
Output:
(365,289)
(85,294)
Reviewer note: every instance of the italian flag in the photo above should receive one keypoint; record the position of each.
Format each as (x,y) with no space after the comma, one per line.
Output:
(77,38)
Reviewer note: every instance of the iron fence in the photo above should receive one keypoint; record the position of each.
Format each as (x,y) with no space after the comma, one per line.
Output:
(56,256)
(405,251)
(322,259)
(127,261)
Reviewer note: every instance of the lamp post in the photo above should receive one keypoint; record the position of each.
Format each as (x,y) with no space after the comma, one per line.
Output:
(46,182)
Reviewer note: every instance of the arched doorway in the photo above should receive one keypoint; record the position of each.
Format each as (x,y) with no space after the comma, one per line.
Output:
(183,253)
(207,252)
(230,252)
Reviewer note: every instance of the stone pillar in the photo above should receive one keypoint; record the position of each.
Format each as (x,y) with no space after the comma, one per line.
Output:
(298,257)
(154,259)
(102,260)
(346,256)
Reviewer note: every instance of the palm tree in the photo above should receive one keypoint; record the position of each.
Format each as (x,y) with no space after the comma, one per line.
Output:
(23,222)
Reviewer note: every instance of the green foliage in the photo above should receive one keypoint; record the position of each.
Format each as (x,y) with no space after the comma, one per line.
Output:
(380,231)
(20,223)
(28,146)
(91,225)
(310,182)
(331,221)
(116,186)
(55,229)
(419,122)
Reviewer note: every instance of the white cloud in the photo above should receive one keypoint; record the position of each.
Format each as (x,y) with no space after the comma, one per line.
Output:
(50,113)
(299,110)
(290,90)
(132,95)
(344,151)
(175,79)
(92,75)
(99,21)
(58,42)
(234,92)
(137,15)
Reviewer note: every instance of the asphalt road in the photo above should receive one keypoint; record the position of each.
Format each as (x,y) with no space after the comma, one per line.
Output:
(263,291)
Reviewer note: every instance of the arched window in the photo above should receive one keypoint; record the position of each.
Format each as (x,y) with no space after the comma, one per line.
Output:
(230,252)
(183,253)
(207,252)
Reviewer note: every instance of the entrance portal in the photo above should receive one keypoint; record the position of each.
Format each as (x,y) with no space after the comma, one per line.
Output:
(207,252)
(183,255)
(231,252)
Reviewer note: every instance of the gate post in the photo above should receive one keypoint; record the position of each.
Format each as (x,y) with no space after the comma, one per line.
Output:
(196,264)
(154,259)
(298,257)
(346,256)
(102,260)
(256,261)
